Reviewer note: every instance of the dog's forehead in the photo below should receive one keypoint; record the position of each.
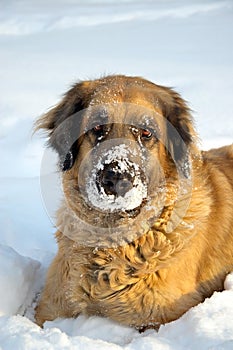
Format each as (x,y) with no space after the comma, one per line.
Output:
(122,112)
(119,101)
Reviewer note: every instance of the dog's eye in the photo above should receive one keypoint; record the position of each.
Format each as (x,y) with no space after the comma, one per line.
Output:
(146,134)
(98,130)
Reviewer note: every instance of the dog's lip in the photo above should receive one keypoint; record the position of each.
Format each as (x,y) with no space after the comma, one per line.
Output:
(133,213)
(130,213)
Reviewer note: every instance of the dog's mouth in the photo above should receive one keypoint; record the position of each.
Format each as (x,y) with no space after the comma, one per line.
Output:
(116,182)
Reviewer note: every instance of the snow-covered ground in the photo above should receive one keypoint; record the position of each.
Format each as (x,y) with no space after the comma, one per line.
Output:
(45,46)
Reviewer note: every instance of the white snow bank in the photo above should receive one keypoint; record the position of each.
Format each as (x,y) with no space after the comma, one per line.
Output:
(17,276)
(206,326)
(228,285)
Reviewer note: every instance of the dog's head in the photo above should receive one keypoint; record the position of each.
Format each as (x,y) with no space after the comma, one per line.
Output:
(121,141)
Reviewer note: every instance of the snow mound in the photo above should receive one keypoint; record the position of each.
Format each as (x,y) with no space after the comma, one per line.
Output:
(17,277)
(228,285)
(206,326)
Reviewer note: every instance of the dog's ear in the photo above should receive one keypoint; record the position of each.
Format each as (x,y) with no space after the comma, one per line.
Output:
(181,135)
(63,123)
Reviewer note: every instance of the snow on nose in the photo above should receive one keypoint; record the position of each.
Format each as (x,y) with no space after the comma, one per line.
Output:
(116,182)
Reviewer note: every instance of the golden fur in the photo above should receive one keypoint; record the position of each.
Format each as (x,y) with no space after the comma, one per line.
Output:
(173,265)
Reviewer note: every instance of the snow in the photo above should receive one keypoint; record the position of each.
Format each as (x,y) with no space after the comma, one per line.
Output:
(18,279)
(46,46)
(207,326)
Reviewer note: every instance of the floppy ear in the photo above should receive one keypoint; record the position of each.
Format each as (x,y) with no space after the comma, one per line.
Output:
(63,123)
(181,135)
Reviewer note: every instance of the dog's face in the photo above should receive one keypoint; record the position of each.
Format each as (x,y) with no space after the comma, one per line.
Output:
(123,144)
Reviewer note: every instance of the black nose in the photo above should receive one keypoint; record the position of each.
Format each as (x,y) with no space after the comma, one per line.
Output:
(114,182)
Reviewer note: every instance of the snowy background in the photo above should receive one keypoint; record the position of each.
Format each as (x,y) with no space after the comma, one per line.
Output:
(45,46)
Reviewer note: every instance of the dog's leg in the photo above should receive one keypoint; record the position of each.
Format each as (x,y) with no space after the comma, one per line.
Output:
(53,302)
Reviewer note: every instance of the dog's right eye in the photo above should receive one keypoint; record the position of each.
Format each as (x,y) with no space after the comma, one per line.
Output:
(99,130)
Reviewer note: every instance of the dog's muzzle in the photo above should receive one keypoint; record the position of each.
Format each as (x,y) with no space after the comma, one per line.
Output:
(116,178)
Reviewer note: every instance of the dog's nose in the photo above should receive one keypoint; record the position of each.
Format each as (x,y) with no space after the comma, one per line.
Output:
(116,183)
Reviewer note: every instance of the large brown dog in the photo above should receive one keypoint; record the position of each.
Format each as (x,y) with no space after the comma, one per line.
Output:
(146,227)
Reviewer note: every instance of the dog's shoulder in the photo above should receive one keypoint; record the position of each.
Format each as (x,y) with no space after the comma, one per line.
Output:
(221,159)
(224,153)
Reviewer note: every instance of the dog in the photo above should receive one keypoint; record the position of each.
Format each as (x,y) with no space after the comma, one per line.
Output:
(145,230)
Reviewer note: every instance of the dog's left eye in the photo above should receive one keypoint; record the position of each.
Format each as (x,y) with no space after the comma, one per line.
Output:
(146,134)
(98,130)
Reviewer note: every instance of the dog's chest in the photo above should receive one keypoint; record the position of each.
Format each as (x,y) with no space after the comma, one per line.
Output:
(109,287)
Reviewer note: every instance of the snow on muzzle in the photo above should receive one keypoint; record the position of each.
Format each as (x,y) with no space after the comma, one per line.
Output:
(115,176)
